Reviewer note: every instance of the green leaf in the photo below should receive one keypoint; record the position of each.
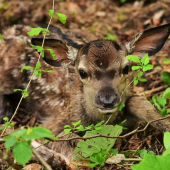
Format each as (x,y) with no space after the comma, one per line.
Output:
(6,119)
(37,133)
(38,65)
(133,58)
(48,71)
(26,68)
(51,12)
(166,61)
(35,31)
(76,123)
(136,67)
(1,38)
(135,81)
(142,152)
(22,152)
(167,152)
(151,162)
(10,141)
(98,158)
(111,37)
(166,93)
(67,131)
(96,145)
(121,106)
(140,74)
(52,53)
(38,48)
(147,67)
(142,80)
(80,128)
(161,101)
(25,93)
(167,140)
(113,151)
(165,77)
(62,17)
(19,133)
(15,90)
(145,59)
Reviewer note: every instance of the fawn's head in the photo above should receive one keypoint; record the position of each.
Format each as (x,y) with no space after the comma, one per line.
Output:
(102,67)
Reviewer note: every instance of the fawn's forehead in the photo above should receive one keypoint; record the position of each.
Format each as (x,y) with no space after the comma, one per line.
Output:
(102,54)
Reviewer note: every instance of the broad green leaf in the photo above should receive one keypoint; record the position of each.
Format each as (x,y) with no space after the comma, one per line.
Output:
(96,145)
(67,131)
(113,151)
(1,38)
(19,133)
(161,101)
(80,128)
(121,106)
(133,58)
(35,31)
(166,93)
(37,133)
(10,141)
(136,67)
(167,152)
(167,140)
(62,17)
(22,152)
(26,68)
(145,59)
(51,12)
(166,61)
(151,162)
(147,67)
(76,123)
(165,77)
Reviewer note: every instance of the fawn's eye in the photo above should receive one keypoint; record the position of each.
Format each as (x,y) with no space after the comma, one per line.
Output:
(83,74)
(126,69)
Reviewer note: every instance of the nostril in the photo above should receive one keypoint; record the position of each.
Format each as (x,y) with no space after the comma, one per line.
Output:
(108,101)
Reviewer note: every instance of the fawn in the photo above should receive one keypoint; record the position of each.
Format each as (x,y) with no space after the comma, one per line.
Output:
(93,79)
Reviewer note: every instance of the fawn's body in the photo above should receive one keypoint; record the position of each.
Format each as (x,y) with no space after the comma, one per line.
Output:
(90,90)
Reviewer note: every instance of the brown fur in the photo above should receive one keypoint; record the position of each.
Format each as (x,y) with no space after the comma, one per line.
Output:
(64,97)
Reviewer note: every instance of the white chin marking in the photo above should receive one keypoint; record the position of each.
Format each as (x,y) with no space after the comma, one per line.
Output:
(108,111)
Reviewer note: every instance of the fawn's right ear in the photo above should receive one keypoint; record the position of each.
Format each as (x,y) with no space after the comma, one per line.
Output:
(65,54)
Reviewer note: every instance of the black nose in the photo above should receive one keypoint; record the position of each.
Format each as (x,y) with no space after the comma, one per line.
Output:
(107,98)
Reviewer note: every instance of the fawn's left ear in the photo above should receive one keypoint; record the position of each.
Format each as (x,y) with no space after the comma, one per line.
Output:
(150,41)
(65,54)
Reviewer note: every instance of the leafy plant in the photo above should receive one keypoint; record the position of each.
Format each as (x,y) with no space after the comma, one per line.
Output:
(21,142)
(151,162)
(97,149)
(24,92)
(161,103)
(142,66)
(165,77)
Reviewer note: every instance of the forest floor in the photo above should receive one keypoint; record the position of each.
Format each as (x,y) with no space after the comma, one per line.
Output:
(95,19)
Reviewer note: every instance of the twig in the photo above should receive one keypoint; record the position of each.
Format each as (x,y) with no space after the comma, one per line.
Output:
(30,78)
(44,163)
(123,136)
(5,157)
(153,90)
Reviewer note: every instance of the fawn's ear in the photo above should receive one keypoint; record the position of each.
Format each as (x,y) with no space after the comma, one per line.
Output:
(150,41)
(65,54)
